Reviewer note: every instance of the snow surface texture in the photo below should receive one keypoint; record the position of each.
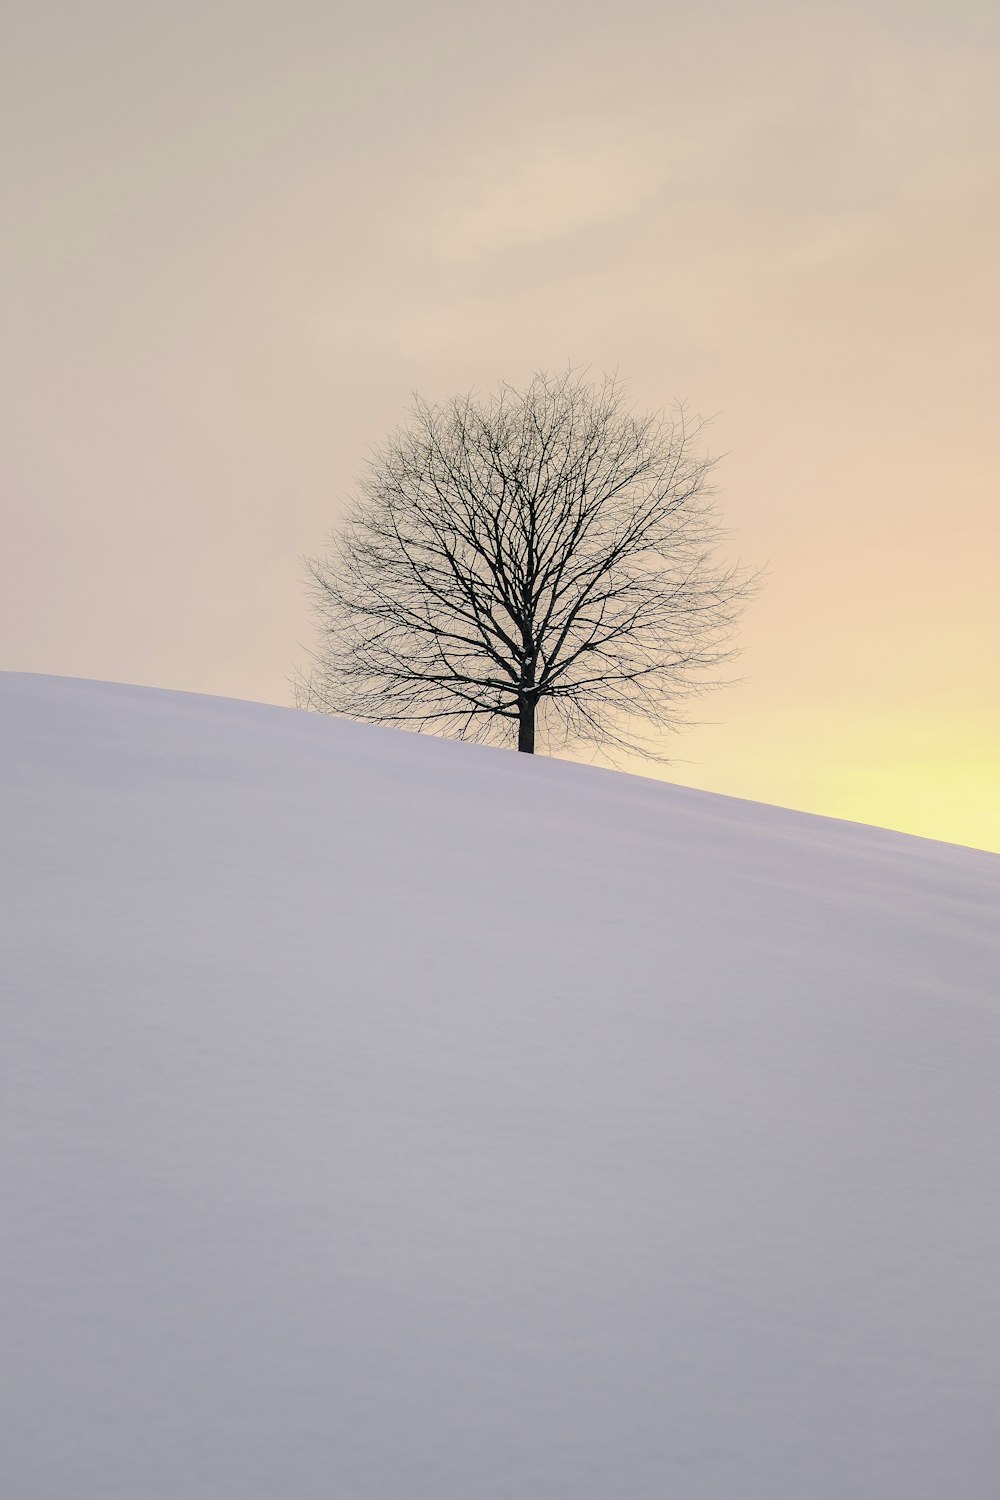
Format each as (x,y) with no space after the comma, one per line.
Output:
(391,1119)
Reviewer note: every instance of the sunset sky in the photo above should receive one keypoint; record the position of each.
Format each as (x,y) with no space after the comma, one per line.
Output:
(238,236)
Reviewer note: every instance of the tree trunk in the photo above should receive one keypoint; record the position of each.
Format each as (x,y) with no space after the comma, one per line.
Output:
(526,726)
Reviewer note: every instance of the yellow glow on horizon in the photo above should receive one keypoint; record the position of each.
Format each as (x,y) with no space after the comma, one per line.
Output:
(943,784)
(952,801)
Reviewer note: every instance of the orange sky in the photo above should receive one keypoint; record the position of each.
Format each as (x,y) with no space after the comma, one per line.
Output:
(238,235)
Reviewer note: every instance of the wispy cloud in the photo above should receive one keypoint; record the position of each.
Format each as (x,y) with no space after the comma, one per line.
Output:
(528,198)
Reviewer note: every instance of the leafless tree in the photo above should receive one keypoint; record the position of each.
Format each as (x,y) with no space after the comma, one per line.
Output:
(542,558)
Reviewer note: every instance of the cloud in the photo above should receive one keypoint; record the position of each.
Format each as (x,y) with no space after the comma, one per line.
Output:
(537,198)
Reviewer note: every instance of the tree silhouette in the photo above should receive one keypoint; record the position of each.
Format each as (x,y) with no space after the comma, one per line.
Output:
(541,561)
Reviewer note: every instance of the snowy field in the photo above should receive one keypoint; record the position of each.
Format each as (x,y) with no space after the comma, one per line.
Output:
(390,1119)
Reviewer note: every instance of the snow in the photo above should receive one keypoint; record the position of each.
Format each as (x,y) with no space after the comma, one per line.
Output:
(391,1119)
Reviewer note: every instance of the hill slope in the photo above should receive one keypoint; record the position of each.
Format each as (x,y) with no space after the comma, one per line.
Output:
(390,1119)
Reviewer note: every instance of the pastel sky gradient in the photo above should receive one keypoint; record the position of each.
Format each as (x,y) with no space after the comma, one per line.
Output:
(237,236)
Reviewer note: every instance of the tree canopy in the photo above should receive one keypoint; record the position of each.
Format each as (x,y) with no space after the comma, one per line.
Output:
(540,562)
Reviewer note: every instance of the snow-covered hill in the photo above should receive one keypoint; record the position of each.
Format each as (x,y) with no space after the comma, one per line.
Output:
(389,1119)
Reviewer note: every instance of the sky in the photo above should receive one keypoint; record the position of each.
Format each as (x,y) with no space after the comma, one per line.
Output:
(238,237)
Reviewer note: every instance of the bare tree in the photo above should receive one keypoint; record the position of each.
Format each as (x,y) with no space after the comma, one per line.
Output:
(542,557)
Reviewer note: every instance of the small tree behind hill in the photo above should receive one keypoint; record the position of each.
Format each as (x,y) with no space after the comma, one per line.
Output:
(536,564)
